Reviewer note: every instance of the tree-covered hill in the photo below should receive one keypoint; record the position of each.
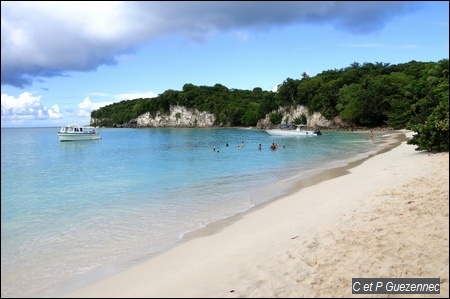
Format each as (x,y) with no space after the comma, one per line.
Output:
(412,95)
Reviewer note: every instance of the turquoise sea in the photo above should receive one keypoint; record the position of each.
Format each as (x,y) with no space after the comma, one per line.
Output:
(73,212)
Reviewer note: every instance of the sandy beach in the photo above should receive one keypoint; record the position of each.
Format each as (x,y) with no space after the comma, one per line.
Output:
(386,217)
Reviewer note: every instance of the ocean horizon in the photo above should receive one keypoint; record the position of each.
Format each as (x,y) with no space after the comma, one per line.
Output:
(75,212)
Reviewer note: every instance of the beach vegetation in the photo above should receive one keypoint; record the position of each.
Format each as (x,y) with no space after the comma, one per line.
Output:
(432,134)
(300,120)
(275,117)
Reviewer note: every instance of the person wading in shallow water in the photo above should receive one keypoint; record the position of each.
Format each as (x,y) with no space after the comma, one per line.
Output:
(371,135)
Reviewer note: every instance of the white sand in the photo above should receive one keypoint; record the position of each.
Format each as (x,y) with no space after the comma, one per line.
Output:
(387,218)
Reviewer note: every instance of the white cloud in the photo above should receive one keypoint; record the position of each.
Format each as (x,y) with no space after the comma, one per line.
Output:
(276,87)
(29,107)
(85,108)
(47,39)
(54,112)
(26,105)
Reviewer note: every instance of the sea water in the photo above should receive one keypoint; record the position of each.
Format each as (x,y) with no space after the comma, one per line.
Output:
(73,212)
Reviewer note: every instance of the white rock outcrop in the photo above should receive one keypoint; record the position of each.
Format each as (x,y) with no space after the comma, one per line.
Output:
(182,117)
(179,116)
(312,120)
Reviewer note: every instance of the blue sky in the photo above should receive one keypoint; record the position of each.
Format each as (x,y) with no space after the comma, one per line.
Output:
(61,60)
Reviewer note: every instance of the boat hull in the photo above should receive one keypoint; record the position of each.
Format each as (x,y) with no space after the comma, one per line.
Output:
(281,132)
(78,136)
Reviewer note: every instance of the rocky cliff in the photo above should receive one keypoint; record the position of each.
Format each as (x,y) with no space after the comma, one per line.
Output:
(315,120)
(179,116)
(182,117)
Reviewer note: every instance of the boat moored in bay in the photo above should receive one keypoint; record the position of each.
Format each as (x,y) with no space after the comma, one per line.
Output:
(297,132)
(74,132)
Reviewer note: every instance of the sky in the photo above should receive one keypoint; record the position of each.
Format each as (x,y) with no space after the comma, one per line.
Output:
(61,60)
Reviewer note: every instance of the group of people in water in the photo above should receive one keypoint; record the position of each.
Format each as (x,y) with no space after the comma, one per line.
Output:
(273,147)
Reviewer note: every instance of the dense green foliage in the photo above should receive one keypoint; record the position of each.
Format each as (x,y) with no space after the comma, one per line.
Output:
(412,95)
(430,118)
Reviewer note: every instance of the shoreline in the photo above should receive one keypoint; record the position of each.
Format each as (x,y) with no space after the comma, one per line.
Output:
(393,140)
(257,253)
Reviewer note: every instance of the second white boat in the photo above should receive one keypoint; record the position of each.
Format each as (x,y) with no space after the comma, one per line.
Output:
(297,132)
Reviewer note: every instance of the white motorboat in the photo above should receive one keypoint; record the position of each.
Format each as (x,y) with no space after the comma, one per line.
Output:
(74,132)
(291,132)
